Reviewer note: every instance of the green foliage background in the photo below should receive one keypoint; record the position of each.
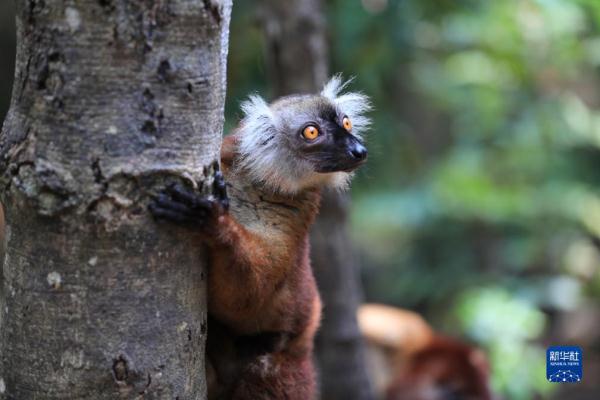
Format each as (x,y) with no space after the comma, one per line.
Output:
(479,205)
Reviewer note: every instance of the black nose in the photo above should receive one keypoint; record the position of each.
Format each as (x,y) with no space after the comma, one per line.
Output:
(359,151)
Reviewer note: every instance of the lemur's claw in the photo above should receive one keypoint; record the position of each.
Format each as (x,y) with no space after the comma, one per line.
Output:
(220,189)
(185,206)
(182,205)
(187,196)
(164,214)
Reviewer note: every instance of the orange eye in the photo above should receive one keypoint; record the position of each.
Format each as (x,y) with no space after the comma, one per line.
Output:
(347,124)
(310,132)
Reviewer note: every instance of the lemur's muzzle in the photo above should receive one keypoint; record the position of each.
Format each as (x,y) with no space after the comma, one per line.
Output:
(359,151)
(346,154)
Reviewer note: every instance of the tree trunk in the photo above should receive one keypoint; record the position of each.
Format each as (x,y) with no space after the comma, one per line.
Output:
(340,346)
(112,100)
(297,62)
(296,47)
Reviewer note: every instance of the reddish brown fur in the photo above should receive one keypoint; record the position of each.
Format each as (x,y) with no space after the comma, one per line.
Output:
(444,369)
(412,362)
(263,301)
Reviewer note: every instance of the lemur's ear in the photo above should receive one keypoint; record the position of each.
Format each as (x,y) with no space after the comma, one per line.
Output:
(257,126)
(353,104)
(334,86)
(257,145)
(256,106)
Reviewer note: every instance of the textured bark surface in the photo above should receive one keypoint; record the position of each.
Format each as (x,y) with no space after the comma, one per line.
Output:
(297,62)
(112,100)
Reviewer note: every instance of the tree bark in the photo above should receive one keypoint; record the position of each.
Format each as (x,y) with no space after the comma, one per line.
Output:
(296,50)
(112,100)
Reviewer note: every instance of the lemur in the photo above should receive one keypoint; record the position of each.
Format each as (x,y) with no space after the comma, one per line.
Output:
(408,360)
(263,304)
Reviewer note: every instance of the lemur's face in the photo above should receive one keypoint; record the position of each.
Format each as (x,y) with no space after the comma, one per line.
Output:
(304,141)
(320,133)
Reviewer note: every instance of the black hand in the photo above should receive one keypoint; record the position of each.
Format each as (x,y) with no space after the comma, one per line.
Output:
(183,206)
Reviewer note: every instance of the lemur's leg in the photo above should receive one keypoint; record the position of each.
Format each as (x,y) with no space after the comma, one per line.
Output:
(283,367)
(277,376)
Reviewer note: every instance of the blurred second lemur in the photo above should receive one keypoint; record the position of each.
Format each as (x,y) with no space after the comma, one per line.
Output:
(263,303)
(407,360)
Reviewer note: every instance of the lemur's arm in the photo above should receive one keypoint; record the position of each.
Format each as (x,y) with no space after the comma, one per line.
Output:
(207,216)
(246,269)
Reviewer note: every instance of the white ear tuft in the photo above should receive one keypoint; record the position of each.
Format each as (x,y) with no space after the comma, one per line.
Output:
(334,86)
(256,107)
(353,104)
(257,130)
